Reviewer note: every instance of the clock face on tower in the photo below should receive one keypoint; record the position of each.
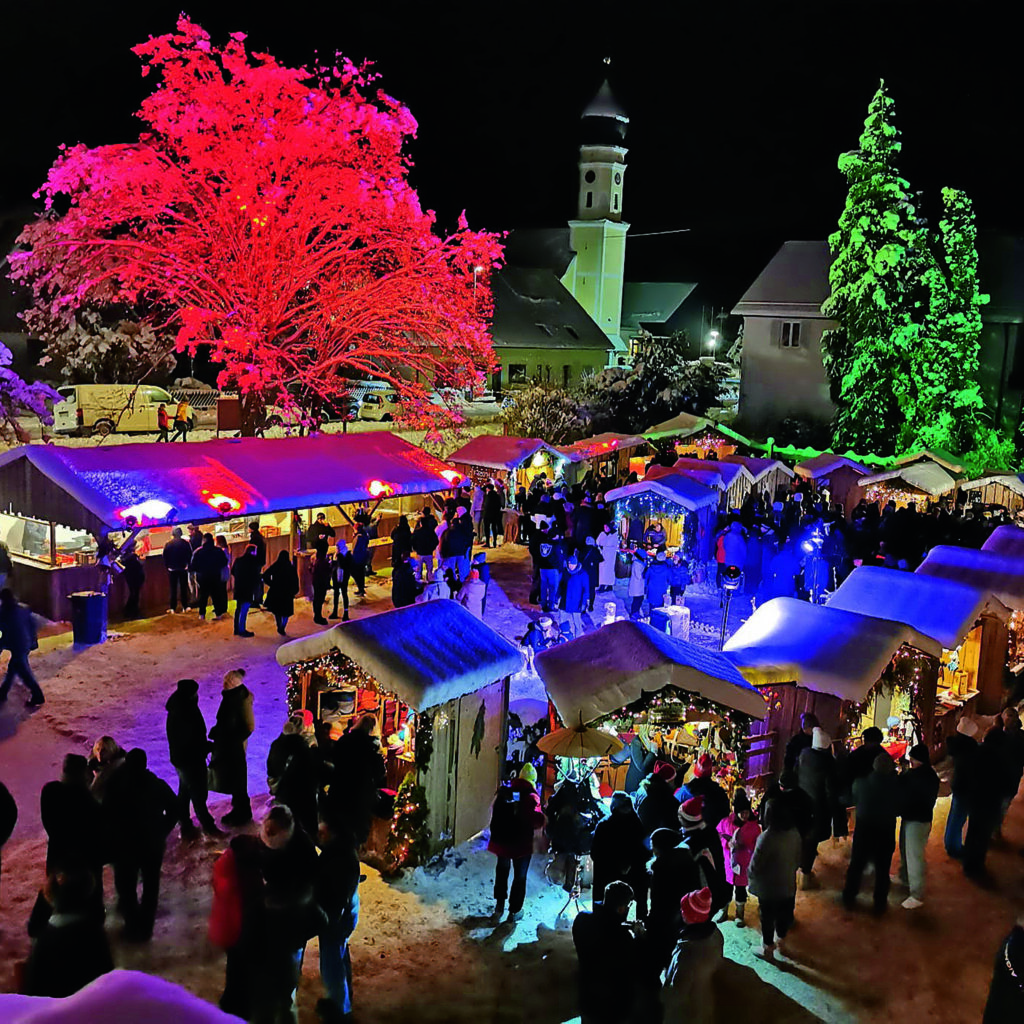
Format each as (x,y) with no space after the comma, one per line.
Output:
(589,177)
(618,178)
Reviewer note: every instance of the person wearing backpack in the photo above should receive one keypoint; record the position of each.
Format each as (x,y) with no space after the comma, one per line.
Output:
(515,817)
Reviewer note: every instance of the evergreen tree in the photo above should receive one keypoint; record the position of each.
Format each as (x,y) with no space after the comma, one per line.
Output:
(879,254)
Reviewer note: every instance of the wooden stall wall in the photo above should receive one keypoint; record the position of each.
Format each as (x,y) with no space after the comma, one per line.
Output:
(483,734)
(995,643)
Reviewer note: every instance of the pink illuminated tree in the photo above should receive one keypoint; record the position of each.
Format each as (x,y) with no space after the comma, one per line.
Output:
(266,211)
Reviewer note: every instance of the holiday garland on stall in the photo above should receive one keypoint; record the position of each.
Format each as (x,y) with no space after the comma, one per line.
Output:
(408,842)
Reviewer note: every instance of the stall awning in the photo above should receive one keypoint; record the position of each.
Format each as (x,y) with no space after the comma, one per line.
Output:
(426,654)
(821,648)
(1006,540)
(1011,481)
(938,608)
(727,472)
(757,468)
(825,465)
(928,477)
(686,425)
(997,574)
(943,458)
(604,671)
(675,488)
(601,444)
(196,482)
(495,451)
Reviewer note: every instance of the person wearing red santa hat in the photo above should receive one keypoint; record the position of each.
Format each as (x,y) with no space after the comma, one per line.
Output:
(706,849)
(689,993)
(716,801)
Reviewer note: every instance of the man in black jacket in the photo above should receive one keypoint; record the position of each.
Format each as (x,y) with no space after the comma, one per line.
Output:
(247,573)
(337,892)
(188,747)
(208,563)
(320,535)
(230,735)
(799,742)
(257,540)
(321,583)
(18,635)
(142,811)
(177,556)
(874,838)
(917,790)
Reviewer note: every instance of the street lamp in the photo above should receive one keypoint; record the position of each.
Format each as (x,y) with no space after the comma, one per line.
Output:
(476,270)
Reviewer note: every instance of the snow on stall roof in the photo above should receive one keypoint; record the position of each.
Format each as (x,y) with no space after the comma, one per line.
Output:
(600,444)
(825,464)
(821,648)
(495,451)
(926,476)
(678,488)
(941,609)
(1011,481)
(427,653)
(682,425)
(1000,575)
(249,475)
(603,671)
(1006,540)
(727,472)
(757,468)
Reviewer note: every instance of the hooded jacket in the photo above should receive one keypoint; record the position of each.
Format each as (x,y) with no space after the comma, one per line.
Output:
(186,730)
(658,581)
(515,816)
(577,590)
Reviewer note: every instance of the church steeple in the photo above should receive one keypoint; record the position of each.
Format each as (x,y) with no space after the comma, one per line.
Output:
(602,157)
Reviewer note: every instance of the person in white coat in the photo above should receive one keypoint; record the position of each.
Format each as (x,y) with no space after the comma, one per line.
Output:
(608,546)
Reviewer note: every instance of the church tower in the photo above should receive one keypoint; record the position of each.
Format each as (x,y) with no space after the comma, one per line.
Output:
(598,234)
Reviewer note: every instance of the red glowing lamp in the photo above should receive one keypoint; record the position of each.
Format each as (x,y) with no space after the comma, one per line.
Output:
(152,508)
(380,489)
(452,477)
(222,503)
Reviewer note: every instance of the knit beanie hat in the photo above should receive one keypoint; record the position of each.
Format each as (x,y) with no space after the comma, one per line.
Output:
(660,556)
(188,686)
(696,906)
(620,801)
(820,740)
(529,773)
(703,766)
(967,727)
(591,542)
(920,752)
(663,770)
(691,812)
(665,838)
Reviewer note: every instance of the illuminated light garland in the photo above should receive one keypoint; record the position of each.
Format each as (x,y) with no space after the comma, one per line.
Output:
(883,494)
(408,842)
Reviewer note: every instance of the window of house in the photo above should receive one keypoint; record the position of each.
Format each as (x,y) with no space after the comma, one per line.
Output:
(790,336)
(517,373)
(615,201)
(590,200)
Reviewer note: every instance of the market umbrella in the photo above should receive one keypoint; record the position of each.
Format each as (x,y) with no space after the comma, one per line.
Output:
(579,741)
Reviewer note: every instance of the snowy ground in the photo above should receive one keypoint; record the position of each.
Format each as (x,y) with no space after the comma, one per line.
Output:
(425,949)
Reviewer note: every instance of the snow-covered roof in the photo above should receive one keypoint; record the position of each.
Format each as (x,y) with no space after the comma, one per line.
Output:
(426,654)
(1012,481)
(600,444)
(683,425)
(757,468)
(1000,575)
(197,482)
(616,665)
(1006,540)
(939,455)
(795,283)
(822,648)
(727,472)
(941,609)
(926,476)
(825,465)
(495,451)
(604,104)
(677,488)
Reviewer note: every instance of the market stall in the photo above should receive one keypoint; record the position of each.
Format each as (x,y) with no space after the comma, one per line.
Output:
(698,436)
(918,483)
(55,501)
(1005,490)
(513,460)
(1007,541)
(850,670)
(437,680)
(685,508)
(731,478)
(634,679)
(767,476)
(836,474)
(607,455)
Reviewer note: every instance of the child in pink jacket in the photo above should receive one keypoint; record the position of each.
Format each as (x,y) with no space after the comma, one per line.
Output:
(738,832)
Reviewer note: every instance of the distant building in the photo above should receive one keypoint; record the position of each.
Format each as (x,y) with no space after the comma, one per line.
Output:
(782,374)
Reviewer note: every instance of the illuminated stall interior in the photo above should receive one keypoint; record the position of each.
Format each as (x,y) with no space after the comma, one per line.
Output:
(610,455)
(919,483)
(995,492)
(633,680)
(516,461)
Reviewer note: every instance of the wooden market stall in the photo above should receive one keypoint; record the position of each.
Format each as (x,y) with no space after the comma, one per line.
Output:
(637,680)
(609,456)
(1006,540)
(850,670)
(835,473)
(683,506)
(53,498)
(698,436)
(919,483)
(513,460)
(437,680)
(732,479)
(767,476)
(1003,489)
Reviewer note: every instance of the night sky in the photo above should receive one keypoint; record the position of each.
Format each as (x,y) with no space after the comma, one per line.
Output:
(738,115)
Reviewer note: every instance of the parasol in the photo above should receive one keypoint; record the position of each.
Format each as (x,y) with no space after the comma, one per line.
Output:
(580,742)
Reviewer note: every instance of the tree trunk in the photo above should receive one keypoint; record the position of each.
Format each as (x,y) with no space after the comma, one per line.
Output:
(254,414)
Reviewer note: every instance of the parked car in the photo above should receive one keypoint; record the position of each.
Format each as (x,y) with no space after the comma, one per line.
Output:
(380,405)
(108,408)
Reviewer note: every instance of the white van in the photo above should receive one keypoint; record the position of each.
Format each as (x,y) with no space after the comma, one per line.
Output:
(108,408)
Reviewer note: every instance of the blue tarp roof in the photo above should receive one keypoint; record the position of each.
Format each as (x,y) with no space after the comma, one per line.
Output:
(678,488)
(199,481)
(616,665)
(426,654)
(941,609)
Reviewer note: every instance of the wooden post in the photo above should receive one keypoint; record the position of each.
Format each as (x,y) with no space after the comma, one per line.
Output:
(995,640)
(53,543)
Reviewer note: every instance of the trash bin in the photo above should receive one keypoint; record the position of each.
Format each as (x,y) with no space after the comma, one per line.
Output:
(89,617)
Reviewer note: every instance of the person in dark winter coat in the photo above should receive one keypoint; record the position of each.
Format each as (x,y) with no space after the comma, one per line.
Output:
(819,779)
(72,949)
(605,937)
(8,818)
(576,595)
(246,573)
(74,822)
(672,874)
(341,573)
(917,790)
(706,849)
(590,559)
(360,558)
(337,893)
(230,735)
(1006,992)
(292,771)
(861,760)
(283,584)
(134,575)
(18,635)
(320,535)
(977,795)
(659,577)
(424,544)
(689,990)
(874,838)
(188,747)
(800,741)
(549,566)
(656,804)
(321,585)
(404,588)
(177,556)
(259,542)
(401,540)
(772,872)
(357,775)
(716,800)
(679,577)
(493,516)
(481,565)
(786,789)
(208,564)
(142,809)
(619,853)
(515,817)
